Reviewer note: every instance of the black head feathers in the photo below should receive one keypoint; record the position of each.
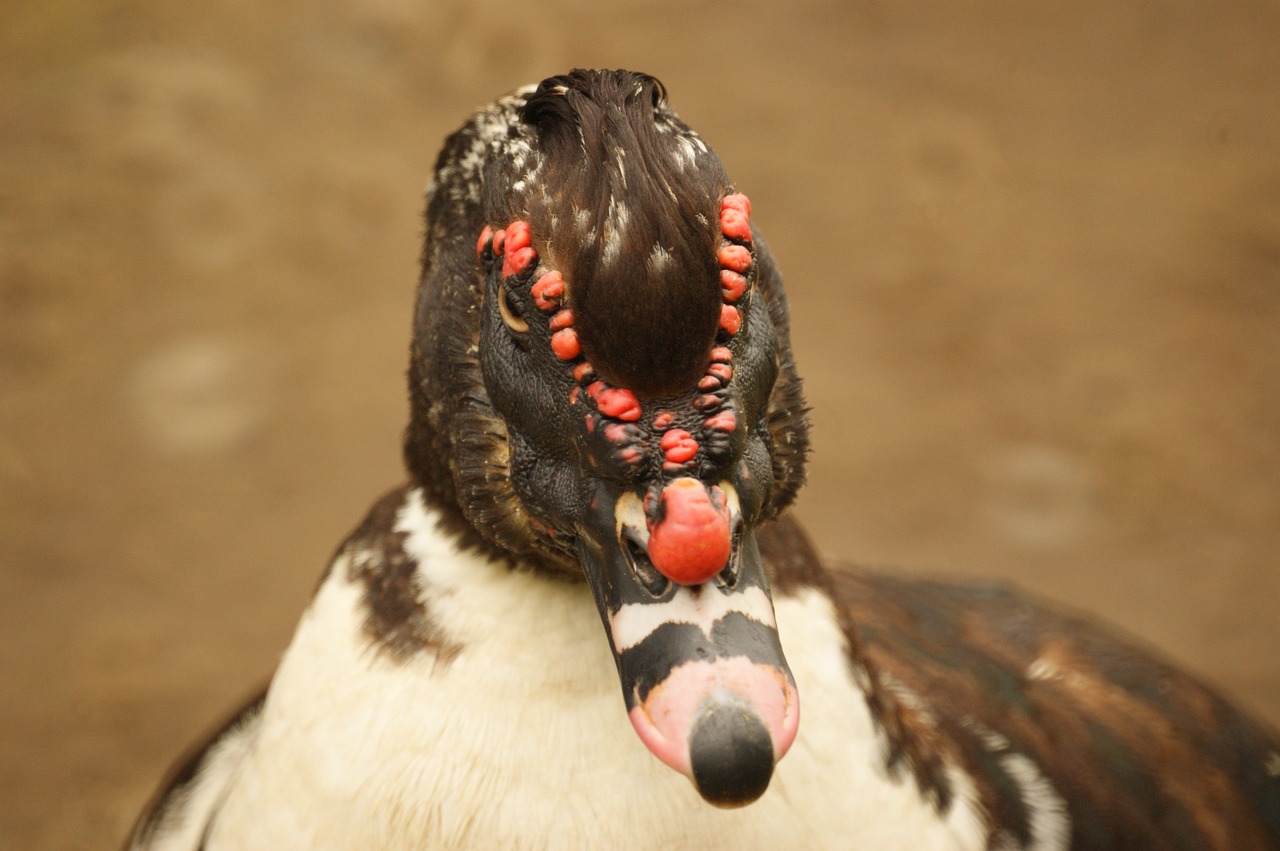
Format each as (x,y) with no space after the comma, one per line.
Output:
(628,216)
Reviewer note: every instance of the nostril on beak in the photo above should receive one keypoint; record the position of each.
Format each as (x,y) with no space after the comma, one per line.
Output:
(638,559)
(729,576)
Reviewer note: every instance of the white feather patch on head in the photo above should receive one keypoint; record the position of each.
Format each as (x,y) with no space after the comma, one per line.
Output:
(615,225)
(659,260)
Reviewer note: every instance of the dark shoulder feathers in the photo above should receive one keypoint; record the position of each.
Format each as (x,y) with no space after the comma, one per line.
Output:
(1060,720)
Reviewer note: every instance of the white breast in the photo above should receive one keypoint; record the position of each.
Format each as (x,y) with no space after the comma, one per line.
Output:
(522,740)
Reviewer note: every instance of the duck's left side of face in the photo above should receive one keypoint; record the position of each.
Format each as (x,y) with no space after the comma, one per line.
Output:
(632,368)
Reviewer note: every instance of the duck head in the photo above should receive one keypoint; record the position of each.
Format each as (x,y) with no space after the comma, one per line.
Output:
(602,388)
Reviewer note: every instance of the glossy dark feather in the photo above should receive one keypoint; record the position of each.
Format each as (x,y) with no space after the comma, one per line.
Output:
(1143,755)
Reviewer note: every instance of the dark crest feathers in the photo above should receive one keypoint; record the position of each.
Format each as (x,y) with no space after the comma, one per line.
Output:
(630,220)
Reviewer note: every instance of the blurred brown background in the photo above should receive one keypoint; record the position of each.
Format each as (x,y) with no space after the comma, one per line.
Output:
(1034,263)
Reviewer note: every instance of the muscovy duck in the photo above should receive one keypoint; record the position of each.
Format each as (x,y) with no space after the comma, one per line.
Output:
(606,429)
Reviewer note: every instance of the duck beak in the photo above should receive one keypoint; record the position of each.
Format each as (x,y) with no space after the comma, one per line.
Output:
(703,674)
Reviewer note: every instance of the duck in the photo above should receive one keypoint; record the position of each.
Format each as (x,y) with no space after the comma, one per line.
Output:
(588,619)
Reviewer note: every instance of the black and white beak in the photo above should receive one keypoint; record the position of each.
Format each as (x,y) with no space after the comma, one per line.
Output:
(685,602)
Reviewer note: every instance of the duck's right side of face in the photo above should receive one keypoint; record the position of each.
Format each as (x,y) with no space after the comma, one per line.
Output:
(627,339)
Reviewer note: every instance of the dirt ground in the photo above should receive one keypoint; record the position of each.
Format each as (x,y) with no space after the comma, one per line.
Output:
(1034,263)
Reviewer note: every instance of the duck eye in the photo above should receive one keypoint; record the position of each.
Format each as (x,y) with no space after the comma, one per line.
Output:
(509,313)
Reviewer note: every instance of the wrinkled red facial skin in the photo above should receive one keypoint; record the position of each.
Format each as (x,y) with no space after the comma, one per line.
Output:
(691,539)
(678,446)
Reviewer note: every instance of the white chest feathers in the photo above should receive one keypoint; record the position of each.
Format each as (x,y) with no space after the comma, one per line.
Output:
(520,740)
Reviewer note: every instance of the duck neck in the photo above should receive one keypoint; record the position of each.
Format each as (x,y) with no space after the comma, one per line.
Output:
(910,737)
